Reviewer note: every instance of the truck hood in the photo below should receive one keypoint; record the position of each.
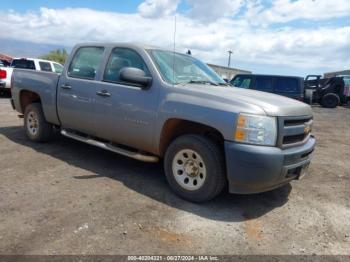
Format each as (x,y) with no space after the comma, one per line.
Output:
(271,104)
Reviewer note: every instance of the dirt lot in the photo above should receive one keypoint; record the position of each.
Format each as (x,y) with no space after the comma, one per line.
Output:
(66,197)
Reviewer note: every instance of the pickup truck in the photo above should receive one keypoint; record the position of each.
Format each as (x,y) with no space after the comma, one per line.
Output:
(25,63)
(149,103)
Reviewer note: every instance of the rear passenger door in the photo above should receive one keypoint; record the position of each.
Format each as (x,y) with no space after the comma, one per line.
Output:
(76,90)
(125,113)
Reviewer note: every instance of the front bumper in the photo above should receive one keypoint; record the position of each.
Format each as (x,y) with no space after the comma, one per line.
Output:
(254,169)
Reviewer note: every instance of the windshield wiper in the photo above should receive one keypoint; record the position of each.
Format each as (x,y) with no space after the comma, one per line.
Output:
(202,82)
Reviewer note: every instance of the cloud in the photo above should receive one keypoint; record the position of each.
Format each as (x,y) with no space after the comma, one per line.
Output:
(283,11)
(207,11)
(326,47)
(157,8)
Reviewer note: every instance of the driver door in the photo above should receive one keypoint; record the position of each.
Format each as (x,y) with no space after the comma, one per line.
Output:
(125,113)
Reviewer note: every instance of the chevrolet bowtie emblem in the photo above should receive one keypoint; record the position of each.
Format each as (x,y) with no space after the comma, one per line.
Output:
(307,128)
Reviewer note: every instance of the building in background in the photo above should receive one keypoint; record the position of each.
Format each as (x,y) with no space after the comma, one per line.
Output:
(337,73)
(5,59)
(227,72)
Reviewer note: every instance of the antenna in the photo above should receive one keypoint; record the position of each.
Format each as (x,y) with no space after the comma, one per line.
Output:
(229,58)
(174,50)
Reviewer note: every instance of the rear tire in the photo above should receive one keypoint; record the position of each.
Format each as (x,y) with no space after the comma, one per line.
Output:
(330,100)
(35,125)
(195,168)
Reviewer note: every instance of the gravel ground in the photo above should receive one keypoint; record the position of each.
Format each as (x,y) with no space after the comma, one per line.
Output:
(66,197)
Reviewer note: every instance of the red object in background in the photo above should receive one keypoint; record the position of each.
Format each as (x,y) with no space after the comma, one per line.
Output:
(3,74)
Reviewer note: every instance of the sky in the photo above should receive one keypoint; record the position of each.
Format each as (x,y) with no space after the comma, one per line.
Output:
(289,37)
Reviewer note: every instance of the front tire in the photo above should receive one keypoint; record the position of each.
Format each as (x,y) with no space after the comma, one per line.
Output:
(35,125)
(195,168)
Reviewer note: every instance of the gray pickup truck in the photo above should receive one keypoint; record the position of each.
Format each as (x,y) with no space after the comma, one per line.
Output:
(150,104)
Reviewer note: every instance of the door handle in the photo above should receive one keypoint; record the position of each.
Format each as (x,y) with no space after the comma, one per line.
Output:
(66,86)
(103,93)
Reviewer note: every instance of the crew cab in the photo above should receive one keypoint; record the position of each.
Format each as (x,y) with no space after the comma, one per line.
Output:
(149,103)
(26,63)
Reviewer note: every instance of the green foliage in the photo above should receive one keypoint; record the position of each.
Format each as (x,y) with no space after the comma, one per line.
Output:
(58,55)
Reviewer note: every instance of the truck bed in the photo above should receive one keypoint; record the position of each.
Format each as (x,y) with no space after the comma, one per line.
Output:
(42,83)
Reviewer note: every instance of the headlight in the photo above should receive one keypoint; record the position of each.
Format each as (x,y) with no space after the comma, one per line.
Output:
(254,129)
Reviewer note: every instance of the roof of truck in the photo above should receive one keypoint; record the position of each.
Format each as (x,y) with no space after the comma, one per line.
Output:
(122,44)
(268,75)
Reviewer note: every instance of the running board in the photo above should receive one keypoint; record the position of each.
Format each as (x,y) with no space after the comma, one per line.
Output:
(115,149)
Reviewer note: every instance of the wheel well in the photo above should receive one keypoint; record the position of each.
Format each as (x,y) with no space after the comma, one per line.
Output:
(174,128)
(28,97)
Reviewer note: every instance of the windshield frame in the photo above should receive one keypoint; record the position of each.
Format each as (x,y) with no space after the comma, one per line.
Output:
(213,77)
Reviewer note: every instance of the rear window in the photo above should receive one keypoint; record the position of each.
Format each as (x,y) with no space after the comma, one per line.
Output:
(287,85)
(23,64)
(45,66)
(85,62)
(264,83)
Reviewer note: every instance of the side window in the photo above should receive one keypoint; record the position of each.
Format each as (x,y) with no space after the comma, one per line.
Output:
(120,58)
(287,85)
(58,68)
(45,66)
(264,83)
(242,81)
(85,62)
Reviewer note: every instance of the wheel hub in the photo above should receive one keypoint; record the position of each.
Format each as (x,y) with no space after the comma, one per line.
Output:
(191,168)
(32,123)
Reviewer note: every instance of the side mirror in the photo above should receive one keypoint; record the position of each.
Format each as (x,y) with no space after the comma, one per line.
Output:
(135,76)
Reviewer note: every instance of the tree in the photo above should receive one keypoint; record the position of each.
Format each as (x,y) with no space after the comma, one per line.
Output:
(58,55)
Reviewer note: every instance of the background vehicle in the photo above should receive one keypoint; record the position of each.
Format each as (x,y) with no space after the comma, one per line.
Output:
(346,79)
(4,63)
(149,103)
(329,92)
(26,63)
(290,86)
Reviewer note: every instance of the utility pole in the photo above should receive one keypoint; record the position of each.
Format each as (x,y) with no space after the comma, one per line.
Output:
(229,58)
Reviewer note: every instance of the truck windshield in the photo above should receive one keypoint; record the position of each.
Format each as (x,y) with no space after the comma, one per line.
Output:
(178,68)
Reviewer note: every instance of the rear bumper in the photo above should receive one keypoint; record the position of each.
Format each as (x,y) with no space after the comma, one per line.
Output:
(254,169)
(2,85)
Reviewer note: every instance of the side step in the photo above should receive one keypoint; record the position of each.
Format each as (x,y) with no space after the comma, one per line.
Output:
(115,149)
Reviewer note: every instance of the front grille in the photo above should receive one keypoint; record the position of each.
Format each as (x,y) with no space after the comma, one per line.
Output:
(294,130)
(293,139)
(294,122)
